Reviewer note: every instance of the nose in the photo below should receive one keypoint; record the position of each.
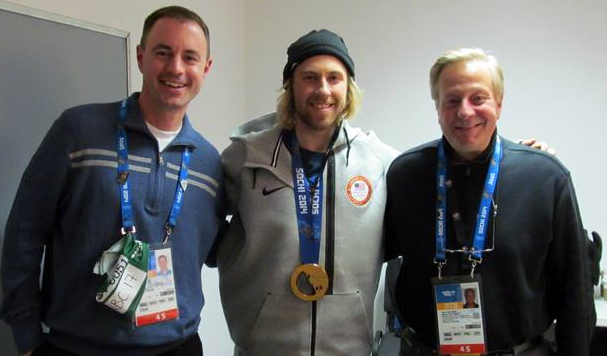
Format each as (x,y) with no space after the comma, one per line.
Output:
(465,110)
(324,87)
(175,65)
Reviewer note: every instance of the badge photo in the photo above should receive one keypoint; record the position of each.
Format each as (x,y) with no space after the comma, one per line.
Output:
(359,190)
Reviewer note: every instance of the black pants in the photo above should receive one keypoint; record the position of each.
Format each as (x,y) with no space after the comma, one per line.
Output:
(191,347)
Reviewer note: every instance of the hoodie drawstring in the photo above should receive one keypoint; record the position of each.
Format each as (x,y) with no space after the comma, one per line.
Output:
(348,149)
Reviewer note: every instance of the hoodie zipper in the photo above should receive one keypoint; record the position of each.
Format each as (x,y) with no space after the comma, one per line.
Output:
(329,243)
(330,217)
(313,334)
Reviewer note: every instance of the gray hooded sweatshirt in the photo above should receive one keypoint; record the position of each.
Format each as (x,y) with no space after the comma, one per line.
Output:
(260,250)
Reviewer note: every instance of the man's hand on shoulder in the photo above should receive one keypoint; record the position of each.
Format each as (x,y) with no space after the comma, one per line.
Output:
(540,145)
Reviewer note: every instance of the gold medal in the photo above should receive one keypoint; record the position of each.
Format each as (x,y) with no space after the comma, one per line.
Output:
(309,282)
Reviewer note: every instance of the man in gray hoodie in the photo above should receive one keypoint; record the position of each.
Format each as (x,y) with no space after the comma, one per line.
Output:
(300,263)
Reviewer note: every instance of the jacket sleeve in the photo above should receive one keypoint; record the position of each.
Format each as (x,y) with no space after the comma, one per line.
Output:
(391,246)
(221,206)
(232,159)
(29,227)
(570,289)
(386,154)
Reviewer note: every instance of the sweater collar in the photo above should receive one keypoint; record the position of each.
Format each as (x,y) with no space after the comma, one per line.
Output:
(135,121)
(481,159)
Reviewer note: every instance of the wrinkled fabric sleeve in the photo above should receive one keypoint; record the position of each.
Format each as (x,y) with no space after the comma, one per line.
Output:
(221,207)
(391,245)
(232,159)
(569,288)
(29,227)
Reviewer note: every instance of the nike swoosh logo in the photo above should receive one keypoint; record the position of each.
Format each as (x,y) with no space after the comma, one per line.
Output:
(265,191)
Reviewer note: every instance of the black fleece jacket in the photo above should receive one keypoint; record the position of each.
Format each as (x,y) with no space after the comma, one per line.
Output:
(537,272)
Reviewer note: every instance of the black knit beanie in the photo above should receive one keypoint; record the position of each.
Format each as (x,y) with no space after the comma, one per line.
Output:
(313,44)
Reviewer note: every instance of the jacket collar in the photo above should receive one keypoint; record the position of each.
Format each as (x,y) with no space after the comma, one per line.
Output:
(134,120)
(341,139)
(265,147)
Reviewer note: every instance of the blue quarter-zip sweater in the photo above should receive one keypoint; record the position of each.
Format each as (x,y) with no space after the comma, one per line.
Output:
(68,202)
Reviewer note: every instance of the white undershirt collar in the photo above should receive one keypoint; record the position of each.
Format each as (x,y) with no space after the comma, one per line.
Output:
(164,138)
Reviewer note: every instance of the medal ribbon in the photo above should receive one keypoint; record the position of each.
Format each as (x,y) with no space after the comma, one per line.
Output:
(482,219)
(126,206)
(308,206)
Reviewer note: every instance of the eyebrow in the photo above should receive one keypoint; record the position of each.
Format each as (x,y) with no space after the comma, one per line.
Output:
(166,47)
(316,72)
(193,53)
(474,90)
(161,46)
(334,72)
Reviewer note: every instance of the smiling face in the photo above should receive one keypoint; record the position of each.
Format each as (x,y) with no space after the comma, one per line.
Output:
(320,84)
(467,107)
(173,62)
(162,262)
(470,297)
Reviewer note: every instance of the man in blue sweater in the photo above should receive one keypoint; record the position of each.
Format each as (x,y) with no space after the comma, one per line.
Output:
(128,175)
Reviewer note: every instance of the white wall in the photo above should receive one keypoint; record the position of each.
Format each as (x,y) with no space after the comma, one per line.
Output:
(554,54)
(219,105)
(216,110)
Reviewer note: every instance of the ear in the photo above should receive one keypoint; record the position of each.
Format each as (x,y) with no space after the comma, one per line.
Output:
(139,57)
(437,111)
(498,105)
(207,66)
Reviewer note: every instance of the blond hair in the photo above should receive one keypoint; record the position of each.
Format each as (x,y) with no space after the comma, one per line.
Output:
(285,106)
(467,55)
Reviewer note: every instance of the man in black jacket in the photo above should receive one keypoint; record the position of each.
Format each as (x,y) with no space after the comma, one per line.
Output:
(474,210)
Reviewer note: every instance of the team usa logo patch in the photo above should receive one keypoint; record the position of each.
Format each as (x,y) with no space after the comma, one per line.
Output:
(359,190)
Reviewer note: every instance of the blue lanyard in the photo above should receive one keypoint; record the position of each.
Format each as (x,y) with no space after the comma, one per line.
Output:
(308,206)
(126,205)
(482,220)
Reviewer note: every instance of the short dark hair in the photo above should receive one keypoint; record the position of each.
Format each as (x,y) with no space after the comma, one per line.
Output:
(177,13)
(469,290)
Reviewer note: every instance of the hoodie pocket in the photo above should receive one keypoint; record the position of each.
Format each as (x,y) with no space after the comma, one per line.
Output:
(343,326)
(282,327)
